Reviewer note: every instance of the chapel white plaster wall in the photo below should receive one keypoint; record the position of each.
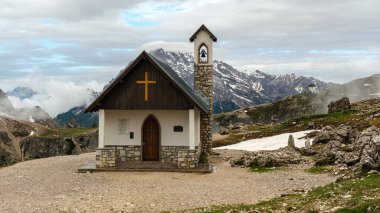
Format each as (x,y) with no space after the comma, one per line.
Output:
(167,120)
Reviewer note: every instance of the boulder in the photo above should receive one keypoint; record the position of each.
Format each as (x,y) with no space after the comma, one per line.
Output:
(307,143)
(331,149)
(370,153)
(339,105)
(280,157)
(343,134)
(347,158)
(291,142)
(361,150)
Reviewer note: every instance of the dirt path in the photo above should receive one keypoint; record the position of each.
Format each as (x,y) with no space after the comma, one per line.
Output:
(52,185)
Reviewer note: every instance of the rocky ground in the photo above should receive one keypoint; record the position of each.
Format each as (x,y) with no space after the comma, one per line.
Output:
(52,185)
(350,151)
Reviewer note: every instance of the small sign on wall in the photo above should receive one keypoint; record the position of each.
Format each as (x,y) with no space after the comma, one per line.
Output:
(178,128)
(122,126)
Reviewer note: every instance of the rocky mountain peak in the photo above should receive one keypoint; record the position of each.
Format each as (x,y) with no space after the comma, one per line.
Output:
(237,88)
(22,92)
(6,106)
(2,94)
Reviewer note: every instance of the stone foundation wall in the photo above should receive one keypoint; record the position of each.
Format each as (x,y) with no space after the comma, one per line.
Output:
(169,154)
(114,156)
(105,158)
(128,153)
(188,158)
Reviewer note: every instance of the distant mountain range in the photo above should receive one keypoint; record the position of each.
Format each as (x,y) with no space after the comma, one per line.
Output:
(76,117)
(22,92)
(237,89)
(35,114)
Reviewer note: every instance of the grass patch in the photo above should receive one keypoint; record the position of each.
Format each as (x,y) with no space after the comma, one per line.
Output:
(319,169)
(354,195)
(261,169)
(328,119)
(65,132)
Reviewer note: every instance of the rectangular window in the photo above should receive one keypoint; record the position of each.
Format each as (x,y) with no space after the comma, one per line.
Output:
(122,126)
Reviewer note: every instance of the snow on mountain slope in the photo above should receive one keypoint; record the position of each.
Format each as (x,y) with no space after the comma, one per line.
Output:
(242,88)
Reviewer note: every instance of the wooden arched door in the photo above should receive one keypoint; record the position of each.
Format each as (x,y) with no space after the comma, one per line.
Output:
(151,139)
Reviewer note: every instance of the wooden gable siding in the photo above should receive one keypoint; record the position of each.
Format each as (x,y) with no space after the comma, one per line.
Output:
(128,95)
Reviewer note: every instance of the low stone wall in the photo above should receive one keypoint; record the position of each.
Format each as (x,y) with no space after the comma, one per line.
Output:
(106,157)
(169,154)
(114,156)
(188,158)
(128,153)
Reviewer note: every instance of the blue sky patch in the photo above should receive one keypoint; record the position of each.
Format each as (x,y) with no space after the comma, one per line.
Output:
(269,51)
(56,58)
(344,52)
(51,44)
(48,21)
(135,19)
(169,7)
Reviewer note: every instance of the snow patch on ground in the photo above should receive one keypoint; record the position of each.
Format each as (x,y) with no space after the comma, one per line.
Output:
(375,94)
(6,115)
(299,89)
(246,99)
(269,143)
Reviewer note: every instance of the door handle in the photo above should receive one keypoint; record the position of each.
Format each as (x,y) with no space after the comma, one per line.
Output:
(143,143)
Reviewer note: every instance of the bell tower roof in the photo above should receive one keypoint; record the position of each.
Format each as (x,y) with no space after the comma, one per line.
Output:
(203,27)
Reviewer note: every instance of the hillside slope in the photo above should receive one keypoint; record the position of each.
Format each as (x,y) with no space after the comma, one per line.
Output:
(301,104)
(356,90)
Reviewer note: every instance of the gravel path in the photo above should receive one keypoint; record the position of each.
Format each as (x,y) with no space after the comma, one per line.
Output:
(52,185)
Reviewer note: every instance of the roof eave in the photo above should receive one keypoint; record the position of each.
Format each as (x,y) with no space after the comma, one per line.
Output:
(203,27)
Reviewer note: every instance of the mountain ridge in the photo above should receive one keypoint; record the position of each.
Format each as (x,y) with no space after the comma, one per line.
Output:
(35,114)
(242,88)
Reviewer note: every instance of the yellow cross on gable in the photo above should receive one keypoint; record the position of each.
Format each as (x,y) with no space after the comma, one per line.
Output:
(146,82)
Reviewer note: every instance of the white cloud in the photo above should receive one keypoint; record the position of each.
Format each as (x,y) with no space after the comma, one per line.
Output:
(168,46)
(57,96)
(276,36)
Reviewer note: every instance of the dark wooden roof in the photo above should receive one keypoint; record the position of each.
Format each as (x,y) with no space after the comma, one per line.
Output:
(114,93)
(203,27)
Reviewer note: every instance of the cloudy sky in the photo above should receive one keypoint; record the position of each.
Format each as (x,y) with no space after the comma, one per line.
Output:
(87,42)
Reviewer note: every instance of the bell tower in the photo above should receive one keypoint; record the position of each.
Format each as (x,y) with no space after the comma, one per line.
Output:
(203,79)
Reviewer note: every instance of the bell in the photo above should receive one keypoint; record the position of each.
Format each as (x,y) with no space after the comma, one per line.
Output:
(203,54)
